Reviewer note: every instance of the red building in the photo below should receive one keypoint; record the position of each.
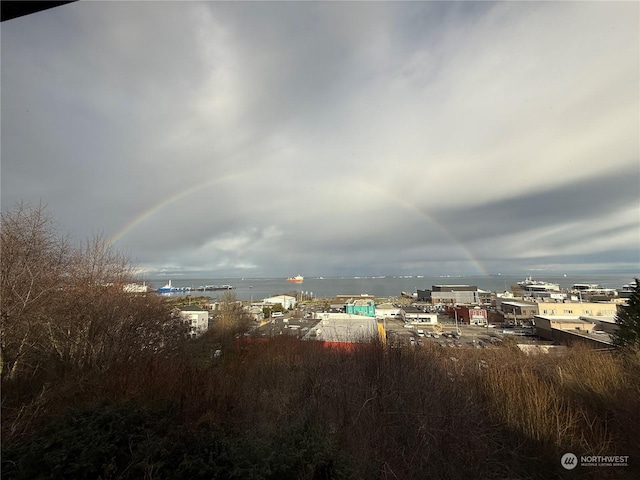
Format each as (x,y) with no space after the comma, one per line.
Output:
(467,315)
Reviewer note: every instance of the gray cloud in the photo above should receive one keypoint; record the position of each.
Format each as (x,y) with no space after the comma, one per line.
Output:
(271,138)
(586,200)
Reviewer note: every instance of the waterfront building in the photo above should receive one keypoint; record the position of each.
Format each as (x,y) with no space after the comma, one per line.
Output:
(287,301)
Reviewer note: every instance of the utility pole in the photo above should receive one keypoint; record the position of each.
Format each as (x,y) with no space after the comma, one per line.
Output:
(455,311)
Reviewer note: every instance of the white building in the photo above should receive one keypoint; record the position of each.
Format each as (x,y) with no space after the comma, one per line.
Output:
(196,318)
(388,310)
(135,288)
(287,301)
(419,316)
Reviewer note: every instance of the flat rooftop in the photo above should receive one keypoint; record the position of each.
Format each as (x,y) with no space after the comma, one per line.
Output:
(563,318)
(518,304)
(598,319)
(358,328)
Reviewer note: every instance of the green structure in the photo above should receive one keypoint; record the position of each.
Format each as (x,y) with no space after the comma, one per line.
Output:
(366,308)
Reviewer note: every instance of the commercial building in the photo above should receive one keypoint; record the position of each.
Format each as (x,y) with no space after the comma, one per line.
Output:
(587,309)
(603,324)
(545,324)
(361,306)
(388,310)
(467,315)
(516,311)
(571,329)
(418,315)
(452,294)
(287,301)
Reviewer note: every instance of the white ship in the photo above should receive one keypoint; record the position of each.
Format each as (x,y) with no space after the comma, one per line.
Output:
(593,288)
(630,287)
(531,285)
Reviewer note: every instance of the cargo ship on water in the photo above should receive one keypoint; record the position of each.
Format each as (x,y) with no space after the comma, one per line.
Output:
(296,279)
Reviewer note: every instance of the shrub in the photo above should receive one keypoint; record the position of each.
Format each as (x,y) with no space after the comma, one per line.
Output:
(130,442)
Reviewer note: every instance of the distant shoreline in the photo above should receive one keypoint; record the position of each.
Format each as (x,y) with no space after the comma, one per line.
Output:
(386,287)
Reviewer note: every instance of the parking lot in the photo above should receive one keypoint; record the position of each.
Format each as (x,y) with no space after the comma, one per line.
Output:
(446,333)
(449,335)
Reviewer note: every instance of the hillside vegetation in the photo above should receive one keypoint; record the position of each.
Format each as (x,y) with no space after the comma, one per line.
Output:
(100,384)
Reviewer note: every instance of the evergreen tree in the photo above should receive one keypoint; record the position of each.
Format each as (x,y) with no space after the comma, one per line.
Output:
(628,320)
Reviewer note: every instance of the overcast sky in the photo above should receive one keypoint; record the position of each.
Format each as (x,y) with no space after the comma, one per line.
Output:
(269,139)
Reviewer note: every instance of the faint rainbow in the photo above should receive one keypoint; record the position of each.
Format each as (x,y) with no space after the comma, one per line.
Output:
(379,190)
(445,231)
(166,202)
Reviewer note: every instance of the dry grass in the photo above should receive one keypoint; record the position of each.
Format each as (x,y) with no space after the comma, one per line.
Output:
(431,412)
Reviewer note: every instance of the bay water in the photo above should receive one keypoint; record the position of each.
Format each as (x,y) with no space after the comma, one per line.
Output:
(255,289)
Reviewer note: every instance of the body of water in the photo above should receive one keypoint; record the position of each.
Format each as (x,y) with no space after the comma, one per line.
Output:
(389,286)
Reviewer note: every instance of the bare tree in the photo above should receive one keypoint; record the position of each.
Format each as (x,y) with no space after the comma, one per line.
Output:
(65,308)
(33,262)
(233,319)
(95,264)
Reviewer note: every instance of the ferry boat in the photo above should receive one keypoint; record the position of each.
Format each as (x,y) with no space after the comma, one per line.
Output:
(296,279)
(168,288)
(592,288)
(627,290)
(531,285)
